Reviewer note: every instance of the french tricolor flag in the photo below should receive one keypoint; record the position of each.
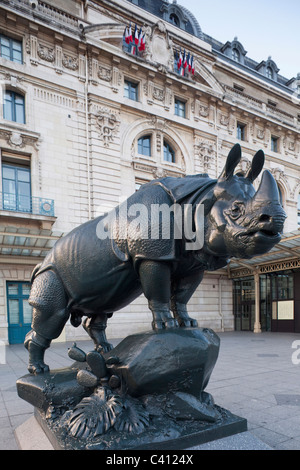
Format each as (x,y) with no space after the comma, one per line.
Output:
(130,34)
(179,60)
(142,41)
(126,35)
(192,65)
(136,35)
(184,60)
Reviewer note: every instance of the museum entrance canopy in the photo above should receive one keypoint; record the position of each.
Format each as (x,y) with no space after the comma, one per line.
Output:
(285,255)
(25,245)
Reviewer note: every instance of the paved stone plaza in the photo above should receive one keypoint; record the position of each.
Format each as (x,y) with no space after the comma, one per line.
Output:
(255,378)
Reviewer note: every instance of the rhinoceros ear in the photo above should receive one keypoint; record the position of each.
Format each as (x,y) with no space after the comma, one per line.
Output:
(232,161)
(256,166)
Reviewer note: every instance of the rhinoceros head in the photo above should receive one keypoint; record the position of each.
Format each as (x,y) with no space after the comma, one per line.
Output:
(243,222)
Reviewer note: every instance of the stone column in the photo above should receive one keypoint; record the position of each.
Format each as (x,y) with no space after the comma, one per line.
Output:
(257,325)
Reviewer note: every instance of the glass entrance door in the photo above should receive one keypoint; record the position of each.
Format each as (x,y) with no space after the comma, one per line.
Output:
(244,304)
(18,310)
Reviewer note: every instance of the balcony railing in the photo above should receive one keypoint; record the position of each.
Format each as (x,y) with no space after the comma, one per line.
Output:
(27,204)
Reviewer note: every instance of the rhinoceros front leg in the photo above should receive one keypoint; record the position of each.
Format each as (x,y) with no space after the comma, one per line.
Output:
(155,279)
(182,291)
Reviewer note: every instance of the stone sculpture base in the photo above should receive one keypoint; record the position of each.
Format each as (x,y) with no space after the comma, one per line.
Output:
(147,393)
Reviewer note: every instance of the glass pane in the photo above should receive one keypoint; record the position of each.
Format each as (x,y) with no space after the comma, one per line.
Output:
(274,310)
(19,111)
(13,309)
(24,175)
(17,46)
(4,41)
(25,289)
(17,57)
(5,52)
(291,286)
(144,146)
(126,90)
(8,107)
(12,289)
(8,173)
(27,312)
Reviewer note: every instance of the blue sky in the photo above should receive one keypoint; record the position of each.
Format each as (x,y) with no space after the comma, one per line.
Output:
(264,27)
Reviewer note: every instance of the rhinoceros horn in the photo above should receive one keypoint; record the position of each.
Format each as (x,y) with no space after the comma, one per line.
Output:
(268,190)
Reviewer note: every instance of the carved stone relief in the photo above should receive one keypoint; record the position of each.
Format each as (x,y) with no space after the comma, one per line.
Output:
(17,140)
(108,123)
(206,152)
(159,47)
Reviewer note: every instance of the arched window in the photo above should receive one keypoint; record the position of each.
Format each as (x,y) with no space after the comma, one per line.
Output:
(235,54)
(270,73)
(144,145)
(174,19)
(14,107)
(169,154)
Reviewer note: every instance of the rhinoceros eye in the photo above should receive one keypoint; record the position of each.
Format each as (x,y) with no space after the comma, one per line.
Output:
(237,210)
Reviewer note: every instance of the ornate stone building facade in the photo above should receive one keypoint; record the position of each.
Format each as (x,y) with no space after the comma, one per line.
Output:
(86,118)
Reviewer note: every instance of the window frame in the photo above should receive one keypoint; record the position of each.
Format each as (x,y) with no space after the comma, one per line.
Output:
(11,48)
(274,143)
(180,108)
(241,131)
(131,86)
(10,107)
(235,54)
(19,204)
(141,145)
(269,72)
(168,150)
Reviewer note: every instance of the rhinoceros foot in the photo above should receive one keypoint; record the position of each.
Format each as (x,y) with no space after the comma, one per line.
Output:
(36,346)
(183,318)
(36,363)
(162,324)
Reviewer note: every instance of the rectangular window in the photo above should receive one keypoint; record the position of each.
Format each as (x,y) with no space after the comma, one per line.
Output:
(11,49)
(14,107)
(274,143)
(16,186)
(241,131)
(180,108)
(131,90)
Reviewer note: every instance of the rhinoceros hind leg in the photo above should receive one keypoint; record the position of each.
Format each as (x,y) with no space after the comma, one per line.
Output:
(95,326)
(49,315)
(156,281)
